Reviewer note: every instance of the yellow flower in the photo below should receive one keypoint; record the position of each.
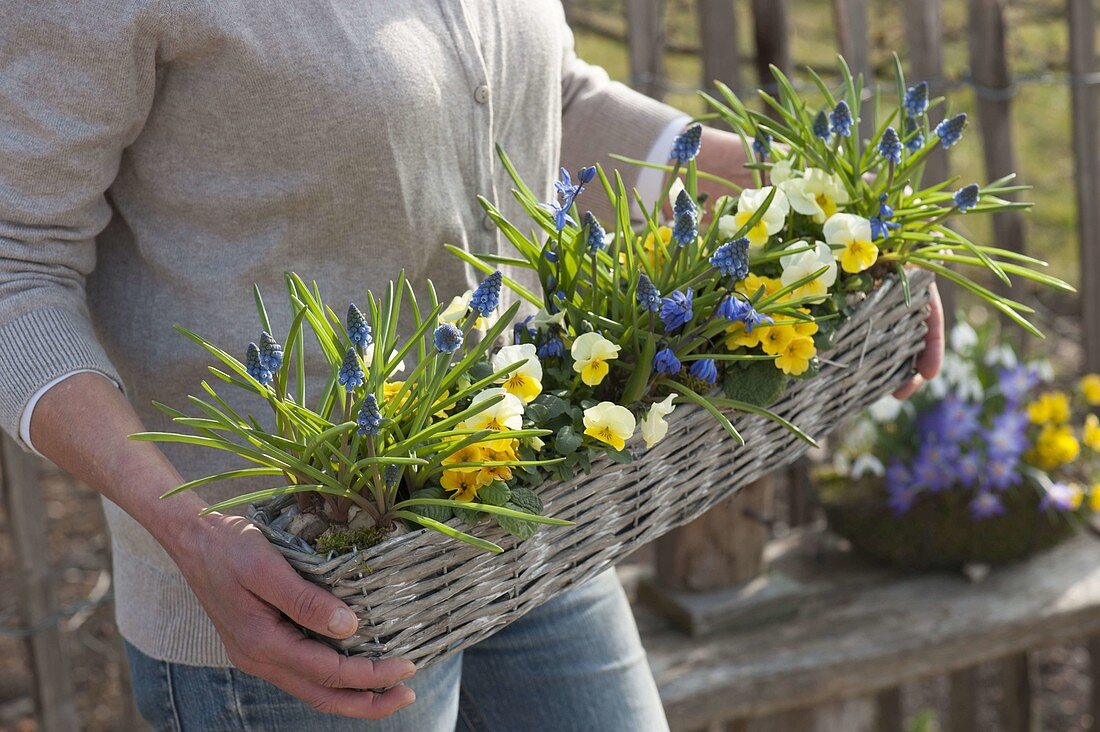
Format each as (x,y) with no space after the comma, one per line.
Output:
(853,233)
(463,483)
(805,327)
(506,414)
(1051,406)
(489,473)
(1090,434)
(1055,446)
(802,264)
(1094,498)
(654,427)
(609,423)
(775,339)
(653,253)
(737,336)
(1076,497)
(752,284)
(591,352)
(468,454)
(1090,388)
(748,203)
(526,381)
(795,358)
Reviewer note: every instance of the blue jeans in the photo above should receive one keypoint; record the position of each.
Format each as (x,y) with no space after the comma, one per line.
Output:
(574,663)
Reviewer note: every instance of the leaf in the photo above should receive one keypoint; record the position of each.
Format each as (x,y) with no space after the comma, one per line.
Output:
(496,493)
(526,500)
(447,530)
(567,441)
(432,511)
(517,527)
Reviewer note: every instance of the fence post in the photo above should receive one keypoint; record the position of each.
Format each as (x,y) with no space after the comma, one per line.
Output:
(852,33)
(27,526)
(646,40)
(962,702)
(993,87)
(1082,62)
(720,45)
(771,32)
(1015,707)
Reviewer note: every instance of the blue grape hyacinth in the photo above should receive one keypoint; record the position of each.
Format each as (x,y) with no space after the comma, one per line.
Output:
(370,420)
(447,338)
(254,363)
(705,370)
(359,331)
(732,259)
(966,197)
(597,237)
(762,143)
(914,138)
(351,372)
(916,100)
(391,474)
(648,294)
(950,130)
(821,125)
(685,227)
(676,309)
(271,352)
(840,120)
(486,297)
(889,146)
(665,362)
(686,146)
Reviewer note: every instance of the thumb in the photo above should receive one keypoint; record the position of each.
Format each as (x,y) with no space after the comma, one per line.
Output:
(302,601)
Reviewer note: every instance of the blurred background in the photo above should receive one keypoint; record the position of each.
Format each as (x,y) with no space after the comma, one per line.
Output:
(755,617)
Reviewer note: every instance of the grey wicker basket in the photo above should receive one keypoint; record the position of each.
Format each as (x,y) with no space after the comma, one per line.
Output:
(424,596)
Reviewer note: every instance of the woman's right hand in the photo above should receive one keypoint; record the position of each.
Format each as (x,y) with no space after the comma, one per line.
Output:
(248,590)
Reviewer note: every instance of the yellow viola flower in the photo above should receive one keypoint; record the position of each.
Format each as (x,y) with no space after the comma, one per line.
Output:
(805,263)
(853,233)
(1094,498)
(795,358)
(463,483)
(1090,434)
(775,339)
(816,194)
(1055,446)
(1090,388)
(609,423)
(526,381)
(591,352)
(654,427)
(1050,407)
(737,335)
(748,203)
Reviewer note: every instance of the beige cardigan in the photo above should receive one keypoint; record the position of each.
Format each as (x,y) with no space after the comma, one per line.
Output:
(157,157)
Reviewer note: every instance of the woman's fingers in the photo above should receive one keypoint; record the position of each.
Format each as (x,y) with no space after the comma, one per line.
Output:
(931,358)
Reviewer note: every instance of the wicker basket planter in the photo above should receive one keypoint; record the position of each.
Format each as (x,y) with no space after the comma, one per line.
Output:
(424,596)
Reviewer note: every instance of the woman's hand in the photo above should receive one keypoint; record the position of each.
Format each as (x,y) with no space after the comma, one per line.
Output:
(931,358)
(246,587)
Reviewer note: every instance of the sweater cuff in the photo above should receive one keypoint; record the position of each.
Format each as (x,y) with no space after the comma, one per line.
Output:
(40,346)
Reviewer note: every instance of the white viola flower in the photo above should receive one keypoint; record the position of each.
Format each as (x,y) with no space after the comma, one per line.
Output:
(524,382)
(867,464)
(654,427)
(749,202)
(368,359)
(886,409)
(781,172)
(963,337)
(999,355)
(803,264)
(842,464)
(507,414)
(610,423)
(591,353)
(853,235)
(816,194)
(456,310)
(543,318)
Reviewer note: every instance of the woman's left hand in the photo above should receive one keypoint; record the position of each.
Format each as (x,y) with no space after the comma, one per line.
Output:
(931,358)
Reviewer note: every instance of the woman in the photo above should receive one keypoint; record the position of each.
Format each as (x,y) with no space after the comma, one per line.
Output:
(157,158)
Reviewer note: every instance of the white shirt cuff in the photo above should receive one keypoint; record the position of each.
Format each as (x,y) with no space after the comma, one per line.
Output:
(650,181)
(28,411)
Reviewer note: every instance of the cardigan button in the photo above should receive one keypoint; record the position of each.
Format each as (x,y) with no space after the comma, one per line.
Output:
(481,94)
(487,223)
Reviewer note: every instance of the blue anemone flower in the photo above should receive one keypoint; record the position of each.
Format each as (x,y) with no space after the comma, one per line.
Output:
(840,119)
(648,294)
(732,259)
(950,130)
(705,370)
(370,420)
(665,362)
(762,144)
(966,197)
(821,125)
(916,99)
(271,352)
(358,331)
(889,146)
(676,309)
(254,362)
(986,505)
(687,144)
(447,338)
(901,498)
(486,297)
(351,372)
(597,237)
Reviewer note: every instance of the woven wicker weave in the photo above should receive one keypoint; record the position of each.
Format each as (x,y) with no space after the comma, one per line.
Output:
(424,596)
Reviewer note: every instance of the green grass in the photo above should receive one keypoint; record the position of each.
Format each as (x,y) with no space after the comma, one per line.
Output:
(1037,43)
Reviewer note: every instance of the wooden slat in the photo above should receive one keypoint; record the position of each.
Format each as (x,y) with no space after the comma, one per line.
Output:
(962,700)
(1082,61)
(874,631)
(646,41)
(994,89)
(1094,675)
(720,45)
(1015,705)
(35,584)
(889,716)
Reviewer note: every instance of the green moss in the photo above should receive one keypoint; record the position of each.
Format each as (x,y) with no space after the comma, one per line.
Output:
(342,541)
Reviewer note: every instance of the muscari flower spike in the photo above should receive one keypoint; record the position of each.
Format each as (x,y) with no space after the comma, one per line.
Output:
(762,144)
(889,146)
(359,331)
(840,119)
(705,370)
(916,100)
(648,294)
(676,309)
(370,420)
(447,338)
(732,259)
(821,125)
(665,362)
(271,352)
(950,130)
(255,364)
(391,474)
(914,137)
(486,297)
(351,373)
(597,237)
(685,227)
(687,144)
(966,197)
